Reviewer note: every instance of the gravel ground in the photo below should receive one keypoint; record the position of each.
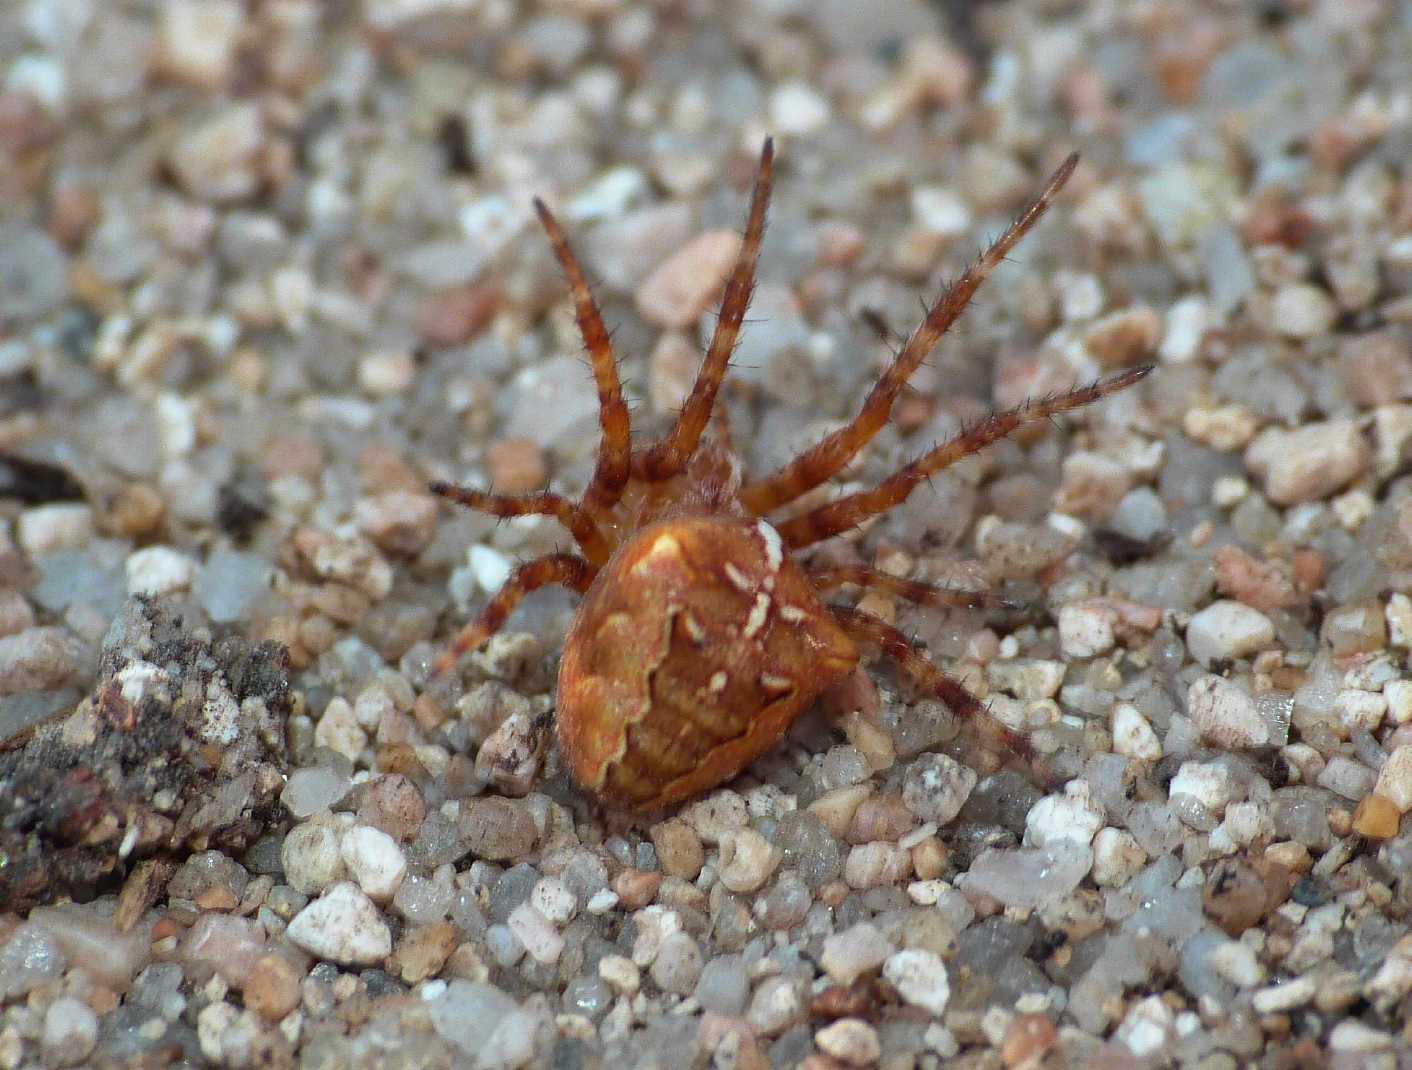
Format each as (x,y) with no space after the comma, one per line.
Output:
(266,268)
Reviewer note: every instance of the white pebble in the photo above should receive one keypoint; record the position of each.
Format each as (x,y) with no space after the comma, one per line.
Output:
(1147,1028)
(1286,996)
(1133,735)
(552,898)
(1224,713)
(311,857)
(796,108)
(490,567)
(385,374)
(1209,783)
(343,925)
(747,860)
(1395,779)
(1117,857)
(374,860)
(1228,629)
(920,978)
(60,526)
(1073,817)
(850,954)
(158,570)
(70,1031)
(1302,310)
(541,939)
(1086,629)
(1187,321)
(941,210)
(338,729)
(1237,963)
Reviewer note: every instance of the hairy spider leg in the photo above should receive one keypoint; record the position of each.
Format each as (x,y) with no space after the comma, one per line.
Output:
(574,517)
(826,458)
(568,569)
(851,510)
(610,474)
(669,457)
(914,591)
(865,628)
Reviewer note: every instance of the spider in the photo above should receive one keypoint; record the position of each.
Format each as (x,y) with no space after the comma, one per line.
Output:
(700,637)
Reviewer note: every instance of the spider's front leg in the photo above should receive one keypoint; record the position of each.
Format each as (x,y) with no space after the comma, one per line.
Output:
(568,569)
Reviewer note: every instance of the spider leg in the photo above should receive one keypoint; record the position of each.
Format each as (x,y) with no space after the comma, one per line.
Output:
(669,456)
(610,474)
(865,628)
(850,511)
(922,594)
(824,460)
(569,569)
(579,524)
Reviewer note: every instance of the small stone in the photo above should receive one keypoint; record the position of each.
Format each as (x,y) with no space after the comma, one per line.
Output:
(723,987)
(38,659)
(850,1040)
(621,973)
(423,951)
(537,933)
(311,857)
(1073,817)
(796,108)
(274,987)
(920,978)
(59,526)
(1395,779)
(678,964)
(313,789)
(1227,629)
(1302,310)
(454,317)
(870,865)
(1225,714)
(218,158)
(374,860)
(747,860)
(1028,1039)
(386,373)
(225,945)
(776,1005)
(393,804)
(1147,1028)
(497,829)
(1260,584)
(1124,338)
(1309,463)
(936,787)
(510,756)
(344,926)
(941,210)
(158,570)
(680,288)
(401,522)
(552,898)
(338,730)
(70,1031)
(197,41)
(1117,857)
(1376,817)
(1086,629)
(679,849)
(1133,735)
(1209,783)
(1235,896)
(516,465)
(1279,998)
(849,954)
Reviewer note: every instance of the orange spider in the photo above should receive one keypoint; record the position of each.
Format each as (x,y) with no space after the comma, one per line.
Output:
(700,639)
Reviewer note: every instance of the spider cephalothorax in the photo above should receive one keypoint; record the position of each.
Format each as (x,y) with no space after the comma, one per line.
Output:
(700,639)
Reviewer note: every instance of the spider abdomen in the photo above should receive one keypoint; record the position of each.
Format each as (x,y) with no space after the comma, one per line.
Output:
(695,649)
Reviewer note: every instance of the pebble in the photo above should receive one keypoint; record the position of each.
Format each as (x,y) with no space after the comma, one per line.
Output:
(516,465)
(59,526)
(1302,310)
(537,933)
(155,571)
(776,1005)
(1073,817)
(920,978)
(38,659)
(1117,857)
(797,109)
(1209,783)
(680,288)
(936,786)
(1086,629)
(374,860)
(197,40)
(678,964)
(849,954)
(1376,817)
(34,273)
(227,945)
(1124,338)
(1286,996)
(312,857)
(1228,629)
(723,988)
(217,158)
(343,925)
(747,860)
(1395,779)
(1224,713)
(273,987)
(70,1032)
(850,1040)
(1133,734)
(314,788)
(401,522)
(484,1023)
(679,849)
(497,829)
(1309,463)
